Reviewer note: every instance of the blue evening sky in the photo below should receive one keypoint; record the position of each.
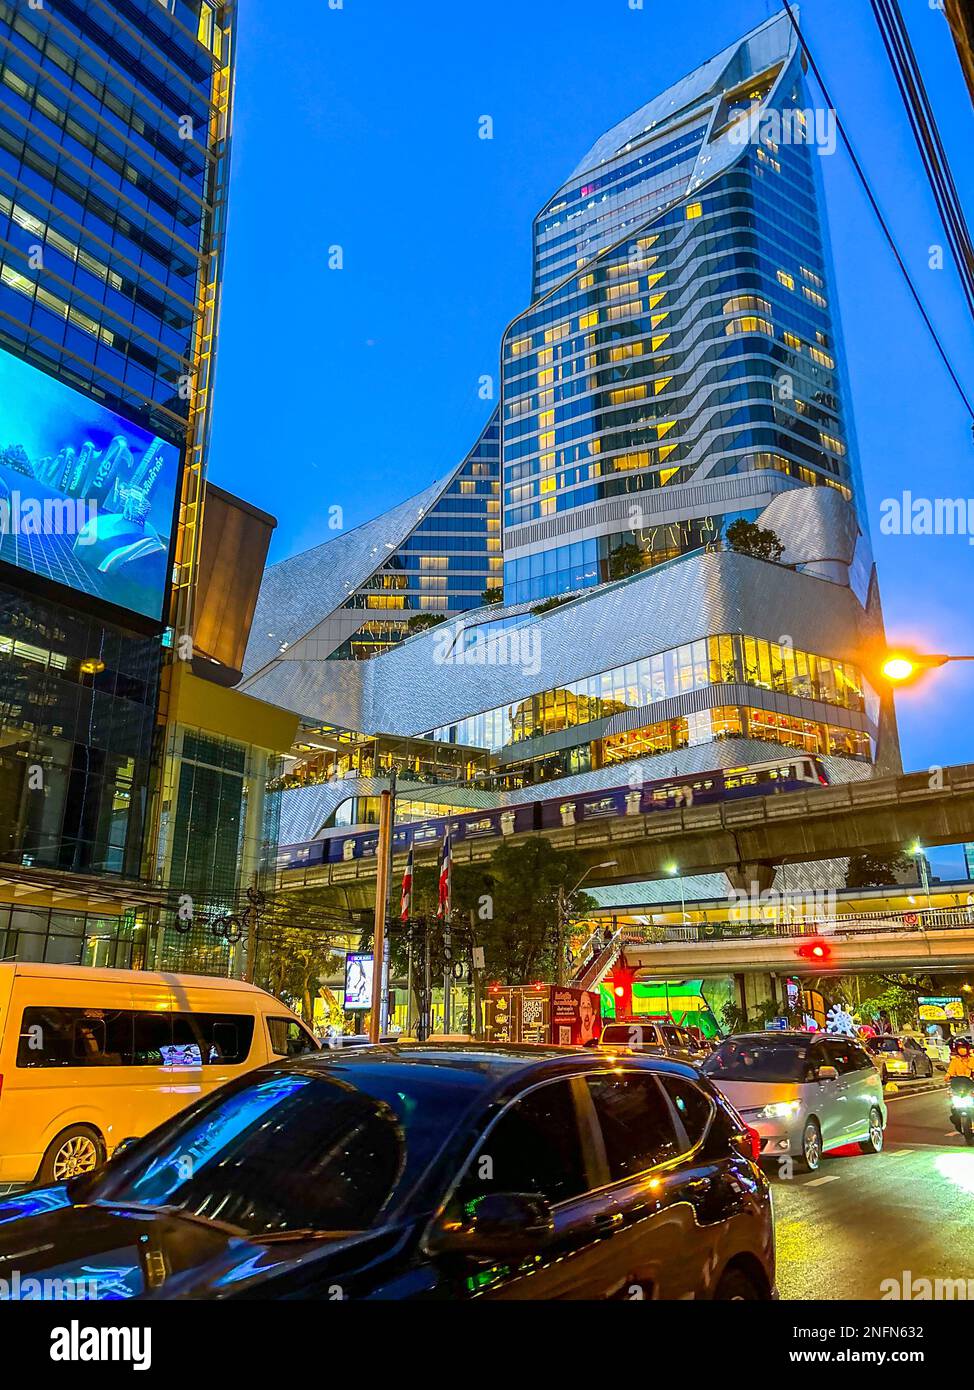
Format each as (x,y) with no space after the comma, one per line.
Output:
(359,127)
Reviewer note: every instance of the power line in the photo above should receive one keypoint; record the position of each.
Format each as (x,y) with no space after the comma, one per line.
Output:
(909,79)
(876,208)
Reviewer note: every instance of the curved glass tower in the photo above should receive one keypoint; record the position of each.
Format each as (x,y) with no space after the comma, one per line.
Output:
(680,365)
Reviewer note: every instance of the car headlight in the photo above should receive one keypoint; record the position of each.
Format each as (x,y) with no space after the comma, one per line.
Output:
(781,1110)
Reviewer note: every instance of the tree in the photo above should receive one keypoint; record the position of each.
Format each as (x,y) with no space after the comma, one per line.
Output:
(419,622)
(511,906)
(492,595)
(298,943)
(760,542)
(875,870)
(628,559)
(549,603)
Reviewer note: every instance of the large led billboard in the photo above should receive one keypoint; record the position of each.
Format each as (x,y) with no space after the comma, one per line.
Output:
(86,496)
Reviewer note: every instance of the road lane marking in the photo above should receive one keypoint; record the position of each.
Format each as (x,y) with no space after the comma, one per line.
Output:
(898,1153)
(817,1182)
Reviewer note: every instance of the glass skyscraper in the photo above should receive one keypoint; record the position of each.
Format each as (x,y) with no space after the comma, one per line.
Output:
(681,362)
(113,140)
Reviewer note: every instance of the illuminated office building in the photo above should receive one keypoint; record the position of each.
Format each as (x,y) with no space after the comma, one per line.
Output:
(681,362)
(680,367)
(113,165)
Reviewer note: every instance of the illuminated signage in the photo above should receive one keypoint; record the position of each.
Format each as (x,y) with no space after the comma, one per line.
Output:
(86,496)
(358,981)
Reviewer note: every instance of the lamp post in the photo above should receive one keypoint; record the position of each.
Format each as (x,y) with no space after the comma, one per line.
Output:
(673,870)
(920,854)
(564,901)
(902,667)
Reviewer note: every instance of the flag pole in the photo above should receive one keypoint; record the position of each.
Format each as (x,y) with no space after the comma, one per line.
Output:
(381,899)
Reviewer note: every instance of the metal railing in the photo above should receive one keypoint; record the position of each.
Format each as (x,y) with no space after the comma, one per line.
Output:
(853,924)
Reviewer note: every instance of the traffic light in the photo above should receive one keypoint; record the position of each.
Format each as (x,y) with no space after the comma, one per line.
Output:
(620,983)
(815,952)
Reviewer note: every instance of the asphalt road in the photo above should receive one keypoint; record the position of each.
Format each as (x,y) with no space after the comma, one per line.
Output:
(866,1218)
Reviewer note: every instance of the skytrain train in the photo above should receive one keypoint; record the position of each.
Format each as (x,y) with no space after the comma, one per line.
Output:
(691,789)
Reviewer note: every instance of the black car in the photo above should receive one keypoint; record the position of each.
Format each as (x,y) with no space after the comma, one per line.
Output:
(417,1171)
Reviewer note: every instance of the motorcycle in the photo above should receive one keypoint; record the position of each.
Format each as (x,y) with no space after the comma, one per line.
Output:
(962,1107)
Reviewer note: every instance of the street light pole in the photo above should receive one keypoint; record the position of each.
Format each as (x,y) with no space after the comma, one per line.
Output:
(899,667)
(564,901)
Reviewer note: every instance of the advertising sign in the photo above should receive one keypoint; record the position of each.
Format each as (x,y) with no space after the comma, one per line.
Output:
(499,1020)
(576,1016)
(940,1008)
(86,496)
(358,980)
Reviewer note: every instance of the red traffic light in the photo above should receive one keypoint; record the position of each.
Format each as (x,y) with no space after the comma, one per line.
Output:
(818,951)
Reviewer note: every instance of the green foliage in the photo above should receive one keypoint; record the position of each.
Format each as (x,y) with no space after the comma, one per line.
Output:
(299,944)
(760,542)
(492,595)
(875,870)
(549,603)
(628,559)
(419,622)
(510,906)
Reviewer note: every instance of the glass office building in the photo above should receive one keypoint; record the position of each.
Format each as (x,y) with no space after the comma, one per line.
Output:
(369,588)
(681,361)
(113,141)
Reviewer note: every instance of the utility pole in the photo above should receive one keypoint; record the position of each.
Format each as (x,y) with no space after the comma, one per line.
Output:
(384,972)
(447,977)
(381,905)
(560,936)
(423,1031)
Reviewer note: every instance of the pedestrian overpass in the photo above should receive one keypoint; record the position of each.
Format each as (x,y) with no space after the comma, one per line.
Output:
(938,941)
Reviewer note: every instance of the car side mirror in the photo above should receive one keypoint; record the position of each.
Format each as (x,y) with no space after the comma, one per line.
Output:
(503,1225)
(827,1074)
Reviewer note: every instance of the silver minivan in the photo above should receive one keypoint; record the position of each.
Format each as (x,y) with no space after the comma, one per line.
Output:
(804,1093)
(663,1039)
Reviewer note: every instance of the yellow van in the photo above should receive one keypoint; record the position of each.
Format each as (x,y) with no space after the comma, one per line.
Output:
(91,1057)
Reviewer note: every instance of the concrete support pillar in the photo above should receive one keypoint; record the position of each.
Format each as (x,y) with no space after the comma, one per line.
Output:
(752,878)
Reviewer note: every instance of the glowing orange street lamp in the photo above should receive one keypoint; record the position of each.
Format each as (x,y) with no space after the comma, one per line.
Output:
(900,667)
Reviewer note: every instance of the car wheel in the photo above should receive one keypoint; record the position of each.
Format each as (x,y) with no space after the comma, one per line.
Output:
(736,1287)
(811,1154)
(874,1144)
(75,1151)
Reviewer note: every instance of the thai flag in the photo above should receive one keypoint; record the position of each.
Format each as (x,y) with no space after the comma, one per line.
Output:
(406,905)
(446,880)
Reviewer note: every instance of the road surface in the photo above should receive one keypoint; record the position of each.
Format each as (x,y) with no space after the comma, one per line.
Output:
(863,1219)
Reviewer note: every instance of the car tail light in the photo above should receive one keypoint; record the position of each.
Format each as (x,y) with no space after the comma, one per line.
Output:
(753,1141)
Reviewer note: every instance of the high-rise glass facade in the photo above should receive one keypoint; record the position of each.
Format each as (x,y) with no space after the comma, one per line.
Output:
(683,342)
(451,557)
(113,142)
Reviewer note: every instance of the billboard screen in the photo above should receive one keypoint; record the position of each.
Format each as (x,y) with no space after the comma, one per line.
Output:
(86,496)
(358,981)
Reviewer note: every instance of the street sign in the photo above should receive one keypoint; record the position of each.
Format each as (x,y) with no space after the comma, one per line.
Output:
(778,1024)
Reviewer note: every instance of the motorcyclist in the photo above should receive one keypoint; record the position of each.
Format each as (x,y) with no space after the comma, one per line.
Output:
(962,1062)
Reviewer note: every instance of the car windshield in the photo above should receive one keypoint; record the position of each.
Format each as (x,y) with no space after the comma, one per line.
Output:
(629,1035)
(290,1151)
(887,1045)
(748,1059)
